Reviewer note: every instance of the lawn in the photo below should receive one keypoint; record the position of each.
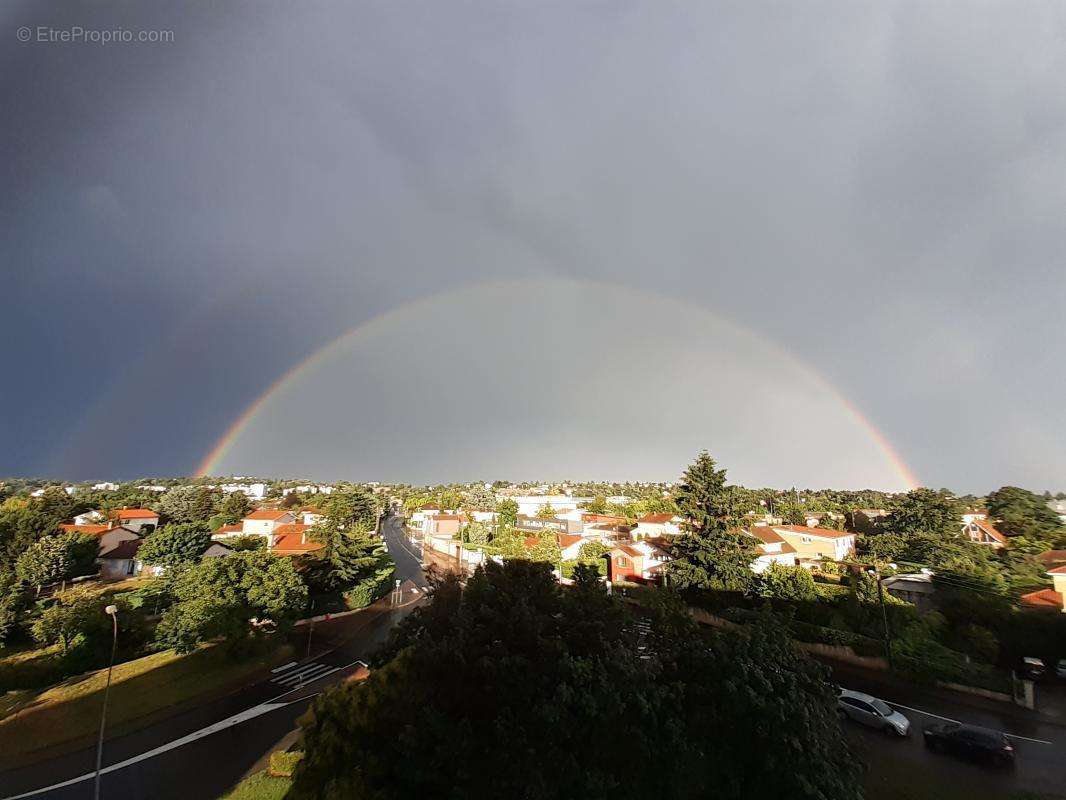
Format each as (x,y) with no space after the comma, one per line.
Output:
(260,786)
(65,716)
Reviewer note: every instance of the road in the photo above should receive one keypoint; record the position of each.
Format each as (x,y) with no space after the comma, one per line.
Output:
(200,754)
(900,769)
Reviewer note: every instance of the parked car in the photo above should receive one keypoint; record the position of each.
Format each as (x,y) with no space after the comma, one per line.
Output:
(1033,668)
(969,741)
(870,711)
(1060,668)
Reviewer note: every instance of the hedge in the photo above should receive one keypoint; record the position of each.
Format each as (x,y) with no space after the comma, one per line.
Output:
(283,762)
(370,589)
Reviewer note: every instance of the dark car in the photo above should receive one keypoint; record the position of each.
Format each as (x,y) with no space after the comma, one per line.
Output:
(980,744)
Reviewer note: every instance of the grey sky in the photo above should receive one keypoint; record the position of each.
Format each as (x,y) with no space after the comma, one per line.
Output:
(877,188)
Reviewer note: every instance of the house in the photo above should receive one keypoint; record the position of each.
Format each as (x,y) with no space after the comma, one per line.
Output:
(570,545)
(529,505)
(812,519)
(608,532)
(136,519)
(1053,558)
(815,544)
(309,515)
(292,539)
(915,588)
(981,531)
(536,525)
(1052,599)
(1059,507)
(265,521)
(120,561)
(973,515)
(107,536)
(228,530)
(641,561)
(105,487)
(774,549)
(868,520)
(656,525)
(254,491)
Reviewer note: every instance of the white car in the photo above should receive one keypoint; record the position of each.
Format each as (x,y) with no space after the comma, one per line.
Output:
(870,711)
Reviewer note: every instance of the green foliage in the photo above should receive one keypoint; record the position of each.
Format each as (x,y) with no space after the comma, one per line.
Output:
(370,588)
(218,598)
(1021,513)
(185,504)
(546,512)
(923,511)
(512,687)
(884,547)
(235,507)
(250,542)
(55,558)
(593,552)
(356,508)
(478,497)
(175,544)
(475,533)
(787,583)
(507,513)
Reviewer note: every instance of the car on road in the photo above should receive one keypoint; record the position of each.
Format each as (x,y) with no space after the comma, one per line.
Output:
(969,741)
(871,711)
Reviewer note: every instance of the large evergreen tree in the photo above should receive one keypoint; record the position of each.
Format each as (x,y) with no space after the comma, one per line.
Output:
(1019,512)
(713,552)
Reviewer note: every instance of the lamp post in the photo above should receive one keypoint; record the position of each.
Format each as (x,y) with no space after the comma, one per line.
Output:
(111,611)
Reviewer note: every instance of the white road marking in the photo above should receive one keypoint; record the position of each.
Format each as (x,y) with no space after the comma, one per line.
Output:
(949,719)
(284,667)
(229,722)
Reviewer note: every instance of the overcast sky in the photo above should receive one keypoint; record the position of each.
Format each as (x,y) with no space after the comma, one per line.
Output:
(875,189)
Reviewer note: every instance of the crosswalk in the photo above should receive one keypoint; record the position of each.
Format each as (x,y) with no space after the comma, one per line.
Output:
(294,674)
(643,627)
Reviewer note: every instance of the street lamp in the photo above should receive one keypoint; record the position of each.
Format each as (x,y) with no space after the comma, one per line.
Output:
(884,613)
(111,611)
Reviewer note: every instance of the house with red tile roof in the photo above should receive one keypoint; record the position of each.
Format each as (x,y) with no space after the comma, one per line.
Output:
(655,525)
(637,561)
(136,519)
(981,531)
(1049,598)
(813,544)
(774,549)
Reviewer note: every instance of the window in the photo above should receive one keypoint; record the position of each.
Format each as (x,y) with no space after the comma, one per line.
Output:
(805,539)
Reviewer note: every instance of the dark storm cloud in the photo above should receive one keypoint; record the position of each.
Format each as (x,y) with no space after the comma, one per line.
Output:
(876,187)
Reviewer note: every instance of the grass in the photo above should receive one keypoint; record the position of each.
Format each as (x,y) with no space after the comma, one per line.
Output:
(260,786)
(66,716)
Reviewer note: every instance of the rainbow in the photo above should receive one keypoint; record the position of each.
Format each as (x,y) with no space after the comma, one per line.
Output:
(218,452)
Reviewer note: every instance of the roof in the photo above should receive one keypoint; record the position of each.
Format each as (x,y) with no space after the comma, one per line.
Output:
(656,519)
(629,551)
(429,507)
(292,528)
(1053,557)
(871,512)
(293,543)
(1045,598)
(450,518)
(310,510)
(1057,570)
(268,513)
(133,513)
(238,528)
(608,518)
(123,550)
(986,526)
(820,533)
(565,540)
(91,530)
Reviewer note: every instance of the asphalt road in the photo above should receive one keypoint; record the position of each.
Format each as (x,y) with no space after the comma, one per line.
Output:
(901,769)
(217,757)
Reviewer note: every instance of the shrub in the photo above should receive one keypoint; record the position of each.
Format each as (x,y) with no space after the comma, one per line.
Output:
(367,591)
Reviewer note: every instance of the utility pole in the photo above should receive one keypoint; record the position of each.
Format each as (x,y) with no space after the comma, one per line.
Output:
(884,614)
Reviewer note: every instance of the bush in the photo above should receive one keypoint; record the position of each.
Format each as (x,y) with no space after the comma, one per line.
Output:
(283,762)
(367,591)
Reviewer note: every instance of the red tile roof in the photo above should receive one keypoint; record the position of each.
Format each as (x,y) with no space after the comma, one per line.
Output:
(291,528)
(91,530)
(1057,570)
(609,519)
(629,551)
(1053,557)
(237,528)
(1045,598)
(565,540)
(293,543)
(987,527)
(268,513)
(133,513)
(821,533)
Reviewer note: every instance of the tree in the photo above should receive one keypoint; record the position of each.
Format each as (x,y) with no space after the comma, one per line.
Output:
(351,509)
(74,613)
(475,533)
(597,505)
(235,507)
(1019,512)
(186,504)
(883,547)
(507,513)
(923,511)
(787,583)
(174,544)
(513,687)
(713,552)
(546,512)
(235,599)
(55,558)
(478,497)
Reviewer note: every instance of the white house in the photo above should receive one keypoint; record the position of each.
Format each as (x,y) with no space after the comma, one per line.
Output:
(529,505)
(120,561)
(264,522)
(254,491)
(106,486)
(136,519)
(309,515)
(654,525)
(775,550)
